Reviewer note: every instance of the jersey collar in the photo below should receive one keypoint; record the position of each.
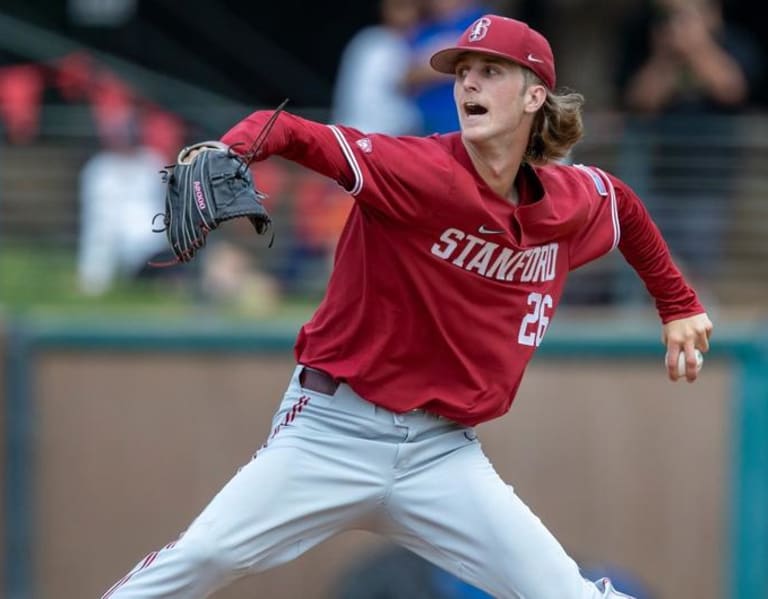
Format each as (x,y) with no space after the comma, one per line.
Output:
(539,218)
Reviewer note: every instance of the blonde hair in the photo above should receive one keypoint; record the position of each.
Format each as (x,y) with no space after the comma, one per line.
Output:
(557,126)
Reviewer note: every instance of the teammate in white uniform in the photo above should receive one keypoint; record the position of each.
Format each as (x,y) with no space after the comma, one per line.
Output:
(450,268)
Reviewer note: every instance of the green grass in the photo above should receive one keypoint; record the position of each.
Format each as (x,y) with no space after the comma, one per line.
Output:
(44,278)
(41,281)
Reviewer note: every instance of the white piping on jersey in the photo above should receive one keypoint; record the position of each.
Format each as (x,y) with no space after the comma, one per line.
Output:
(614,210)
(597,179)
(351,160)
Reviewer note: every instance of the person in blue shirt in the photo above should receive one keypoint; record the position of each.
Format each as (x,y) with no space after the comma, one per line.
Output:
(433,91)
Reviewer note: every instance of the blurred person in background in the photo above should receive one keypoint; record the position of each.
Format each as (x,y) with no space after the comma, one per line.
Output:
(685,72)
(230,278)
(443,22)
(121,191)
(682,57)
(370,92)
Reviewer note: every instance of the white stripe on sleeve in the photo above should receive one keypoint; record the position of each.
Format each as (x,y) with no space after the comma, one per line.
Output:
(614,211)
(351,160)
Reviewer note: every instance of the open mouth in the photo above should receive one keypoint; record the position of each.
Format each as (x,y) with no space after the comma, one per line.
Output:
(474,109)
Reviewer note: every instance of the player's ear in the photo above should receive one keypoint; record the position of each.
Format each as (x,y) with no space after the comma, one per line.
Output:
(535,96)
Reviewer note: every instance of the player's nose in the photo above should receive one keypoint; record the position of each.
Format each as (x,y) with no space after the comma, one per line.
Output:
(470,81)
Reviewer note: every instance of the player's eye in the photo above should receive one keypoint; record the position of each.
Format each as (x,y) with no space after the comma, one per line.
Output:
(461,71)
(490,69)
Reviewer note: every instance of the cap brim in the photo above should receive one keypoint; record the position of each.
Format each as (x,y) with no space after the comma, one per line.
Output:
(444,61)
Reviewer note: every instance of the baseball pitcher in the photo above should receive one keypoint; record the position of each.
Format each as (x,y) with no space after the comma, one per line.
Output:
(446,277)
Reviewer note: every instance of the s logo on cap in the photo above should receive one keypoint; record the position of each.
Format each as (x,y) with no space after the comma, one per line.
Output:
(479,29)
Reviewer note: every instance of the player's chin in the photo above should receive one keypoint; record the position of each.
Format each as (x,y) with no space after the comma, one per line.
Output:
(475,131)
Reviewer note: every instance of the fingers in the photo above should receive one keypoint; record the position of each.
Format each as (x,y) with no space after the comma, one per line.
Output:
(685,336)
(691,363)
(685,358)
(187,154)
(190,156)
(702,340)
(673,355)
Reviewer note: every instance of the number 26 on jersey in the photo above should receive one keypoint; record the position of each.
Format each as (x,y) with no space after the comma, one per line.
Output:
(536,321)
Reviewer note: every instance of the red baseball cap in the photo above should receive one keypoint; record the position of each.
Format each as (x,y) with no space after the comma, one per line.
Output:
(505,38)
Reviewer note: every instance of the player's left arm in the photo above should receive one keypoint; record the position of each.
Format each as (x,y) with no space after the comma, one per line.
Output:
(306,142)
(685,324)
(388,174)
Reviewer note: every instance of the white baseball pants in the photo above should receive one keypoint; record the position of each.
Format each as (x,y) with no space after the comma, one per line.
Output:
(336,463)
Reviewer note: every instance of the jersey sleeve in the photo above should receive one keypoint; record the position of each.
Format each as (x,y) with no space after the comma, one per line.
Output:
(305,142)
(647,253)
(617,218)
(601,232)
(400,177)
(405,178)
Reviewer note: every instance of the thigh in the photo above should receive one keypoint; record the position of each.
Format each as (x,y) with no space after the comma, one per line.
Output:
(307,482)
(460,515)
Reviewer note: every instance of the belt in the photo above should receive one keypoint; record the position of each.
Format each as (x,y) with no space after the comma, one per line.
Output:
(317,380)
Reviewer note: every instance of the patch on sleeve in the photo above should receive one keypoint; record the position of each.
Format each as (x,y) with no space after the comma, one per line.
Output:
(596,179)
(365,145)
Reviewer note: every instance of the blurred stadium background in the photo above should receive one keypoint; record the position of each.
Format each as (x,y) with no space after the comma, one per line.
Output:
(665,487)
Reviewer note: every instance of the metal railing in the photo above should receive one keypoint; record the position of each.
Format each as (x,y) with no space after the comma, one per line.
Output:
(704,182)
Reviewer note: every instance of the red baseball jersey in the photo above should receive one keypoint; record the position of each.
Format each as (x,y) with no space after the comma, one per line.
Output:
(442,290)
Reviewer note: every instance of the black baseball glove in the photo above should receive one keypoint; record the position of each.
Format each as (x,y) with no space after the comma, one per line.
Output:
(209,184)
